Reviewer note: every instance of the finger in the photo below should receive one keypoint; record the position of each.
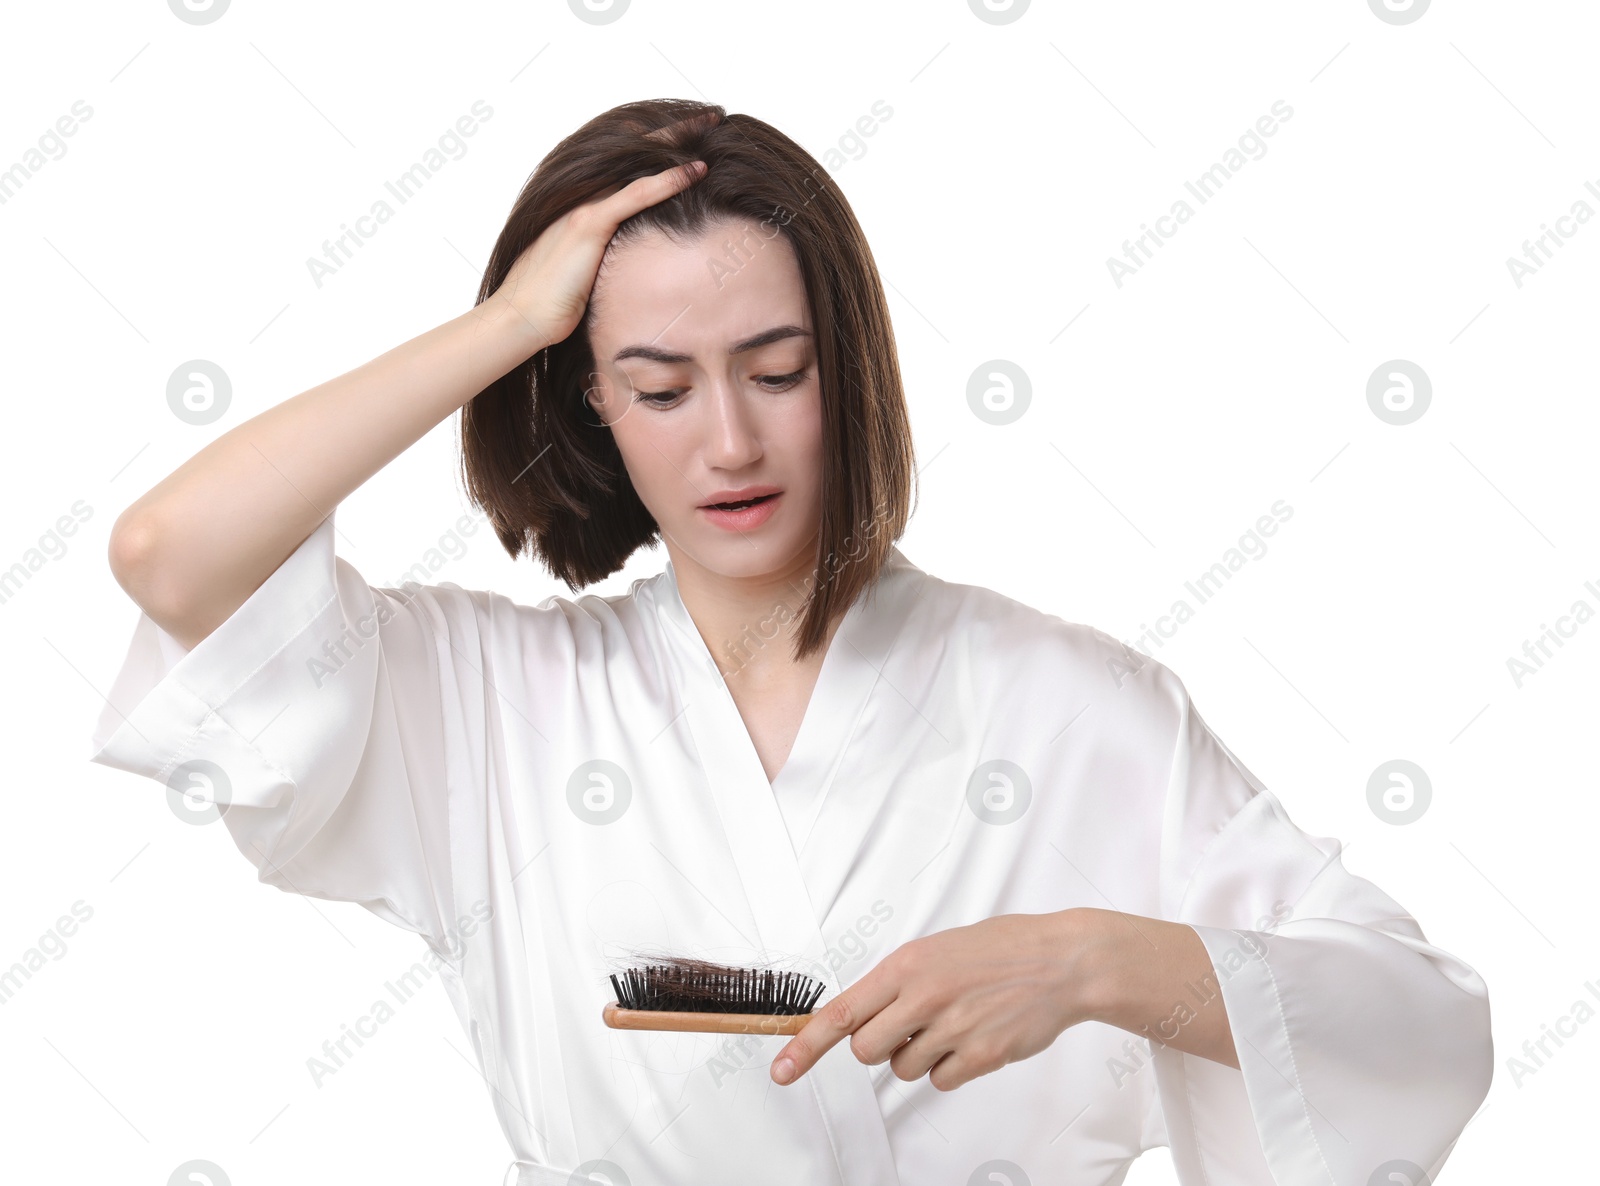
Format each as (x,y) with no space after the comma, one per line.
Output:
(672,179)
(683,176)
(888,1032)
(645,191)
(951,1071)
(841,1016)
(919,1055)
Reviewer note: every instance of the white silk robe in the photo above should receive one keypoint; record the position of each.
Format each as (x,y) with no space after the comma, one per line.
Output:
(537,791)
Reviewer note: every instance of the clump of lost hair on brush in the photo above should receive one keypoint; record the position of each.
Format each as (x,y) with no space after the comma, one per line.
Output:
(684,984)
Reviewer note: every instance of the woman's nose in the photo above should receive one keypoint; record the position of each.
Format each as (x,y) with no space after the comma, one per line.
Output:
(731,439)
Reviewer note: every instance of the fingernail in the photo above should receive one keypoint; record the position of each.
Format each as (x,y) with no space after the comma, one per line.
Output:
(783,1070)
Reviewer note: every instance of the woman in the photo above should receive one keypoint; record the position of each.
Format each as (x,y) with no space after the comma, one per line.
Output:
(1058,921)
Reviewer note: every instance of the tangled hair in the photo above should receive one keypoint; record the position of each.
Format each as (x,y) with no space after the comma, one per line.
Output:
(551,480)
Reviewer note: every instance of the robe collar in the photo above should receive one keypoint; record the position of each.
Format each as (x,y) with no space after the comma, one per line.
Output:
(851,664)
(767,824)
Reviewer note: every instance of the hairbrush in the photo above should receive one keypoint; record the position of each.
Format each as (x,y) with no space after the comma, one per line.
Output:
(690,994)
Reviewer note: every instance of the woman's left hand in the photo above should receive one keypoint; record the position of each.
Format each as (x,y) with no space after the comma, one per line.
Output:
(970,1000)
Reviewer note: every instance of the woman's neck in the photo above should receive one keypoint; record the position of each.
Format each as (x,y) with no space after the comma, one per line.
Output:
(749,623)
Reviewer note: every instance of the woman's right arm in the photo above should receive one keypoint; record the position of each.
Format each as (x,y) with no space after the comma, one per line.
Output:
(194,547)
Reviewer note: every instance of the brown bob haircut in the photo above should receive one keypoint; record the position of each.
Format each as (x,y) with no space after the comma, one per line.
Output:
(551,479)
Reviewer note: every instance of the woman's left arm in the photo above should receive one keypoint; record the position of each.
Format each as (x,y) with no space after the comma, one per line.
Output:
(1313,1034)
(1153,978)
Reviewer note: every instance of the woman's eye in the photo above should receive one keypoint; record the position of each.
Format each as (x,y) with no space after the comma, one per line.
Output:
(772,383)
(782,382)
(655,397)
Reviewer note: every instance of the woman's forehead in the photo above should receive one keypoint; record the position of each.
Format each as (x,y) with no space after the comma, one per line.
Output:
(694,296)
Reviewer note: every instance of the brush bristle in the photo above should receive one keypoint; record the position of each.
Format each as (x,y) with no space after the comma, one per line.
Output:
(699,987)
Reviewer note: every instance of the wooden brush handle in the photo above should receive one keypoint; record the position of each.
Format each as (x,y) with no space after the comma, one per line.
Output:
(708,1023)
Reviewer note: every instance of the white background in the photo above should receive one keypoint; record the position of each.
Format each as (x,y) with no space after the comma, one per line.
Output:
(1167,416)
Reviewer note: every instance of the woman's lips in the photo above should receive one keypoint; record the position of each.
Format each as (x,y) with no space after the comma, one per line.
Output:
(745,518)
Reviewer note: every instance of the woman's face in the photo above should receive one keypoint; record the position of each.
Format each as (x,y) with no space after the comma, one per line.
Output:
(705,370)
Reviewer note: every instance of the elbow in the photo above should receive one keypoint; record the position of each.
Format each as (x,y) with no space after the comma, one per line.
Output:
(128,552)
(134,553)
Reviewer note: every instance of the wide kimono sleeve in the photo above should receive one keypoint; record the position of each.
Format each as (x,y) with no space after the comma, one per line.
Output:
(328,720)
(1362,1047)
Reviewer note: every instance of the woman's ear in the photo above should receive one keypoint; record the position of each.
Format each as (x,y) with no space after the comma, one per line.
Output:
(594,397)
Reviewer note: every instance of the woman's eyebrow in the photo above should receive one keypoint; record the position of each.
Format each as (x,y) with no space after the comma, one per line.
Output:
(656,354)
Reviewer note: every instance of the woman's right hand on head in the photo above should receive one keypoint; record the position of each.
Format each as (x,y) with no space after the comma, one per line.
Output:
(549,284)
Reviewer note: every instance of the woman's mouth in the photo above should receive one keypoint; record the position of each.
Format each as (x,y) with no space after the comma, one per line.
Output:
(744,515)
